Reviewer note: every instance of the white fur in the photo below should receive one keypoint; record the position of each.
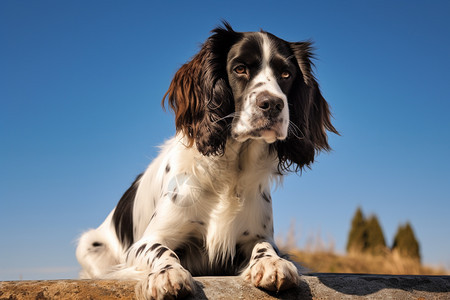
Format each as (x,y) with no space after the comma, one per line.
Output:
(223,192)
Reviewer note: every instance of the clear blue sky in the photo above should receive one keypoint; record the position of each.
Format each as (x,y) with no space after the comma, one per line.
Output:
(80,90)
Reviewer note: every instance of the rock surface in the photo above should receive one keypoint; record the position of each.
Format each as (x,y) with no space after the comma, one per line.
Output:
(314,286)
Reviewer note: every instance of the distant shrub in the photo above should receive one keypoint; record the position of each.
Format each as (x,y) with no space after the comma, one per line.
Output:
(376,244)
(366,235)
(357,239)
(405,242)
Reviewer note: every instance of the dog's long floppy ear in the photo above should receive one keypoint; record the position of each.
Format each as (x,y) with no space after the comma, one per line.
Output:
(309,115)
(201,97)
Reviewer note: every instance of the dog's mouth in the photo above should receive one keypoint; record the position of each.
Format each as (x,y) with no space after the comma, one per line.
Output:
(268,130)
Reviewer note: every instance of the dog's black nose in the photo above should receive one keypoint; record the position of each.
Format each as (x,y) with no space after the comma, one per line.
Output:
(269,104)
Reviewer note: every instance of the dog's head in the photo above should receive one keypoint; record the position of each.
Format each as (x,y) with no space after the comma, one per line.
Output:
(251,85)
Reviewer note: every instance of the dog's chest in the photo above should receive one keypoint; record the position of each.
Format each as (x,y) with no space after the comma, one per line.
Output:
(228,232)
(218,204)
(240,212)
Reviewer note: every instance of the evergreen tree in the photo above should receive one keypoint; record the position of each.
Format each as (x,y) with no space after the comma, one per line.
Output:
(366,235)
(357,236)
(406,243)
(375,243)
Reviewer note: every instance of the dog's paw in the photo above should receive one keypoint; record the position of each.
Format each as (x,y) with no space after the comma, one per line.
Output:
(272,273)
(171,282)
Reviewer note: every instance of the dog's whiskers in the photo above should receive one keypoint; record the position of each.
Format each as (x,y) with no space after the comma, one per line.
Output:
(232,115)
(295,131)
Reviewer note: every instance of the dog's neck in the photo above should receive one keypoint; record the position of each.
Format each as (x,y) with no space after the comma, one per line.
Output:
(247,156)
(241,163)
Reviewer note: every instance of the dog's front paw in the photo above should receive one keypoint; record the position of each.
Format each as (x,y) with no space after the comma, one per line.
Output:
(170,282)
(272,273)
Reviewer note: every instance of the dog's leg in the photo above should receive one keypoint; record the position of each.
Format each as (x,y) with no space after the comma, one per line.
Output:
(269,271)
(166,278)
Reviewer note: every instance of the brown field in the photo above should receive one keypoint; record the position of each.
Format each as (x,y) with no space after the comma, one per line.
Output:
(319,255)
(390,263)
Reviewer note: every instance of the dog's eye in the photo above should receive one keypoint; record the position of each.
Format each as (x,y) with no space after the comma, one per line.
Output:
(241,69)
(285,75)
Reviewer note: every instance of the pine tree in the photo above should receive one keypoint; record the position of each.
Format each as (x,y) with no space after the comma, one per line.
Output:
(366,235)
(406,243)
(357,236)
(376,243)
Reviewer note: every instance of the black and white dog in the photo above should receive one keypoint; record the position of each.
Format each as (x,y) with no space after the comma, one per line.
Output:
(247,109)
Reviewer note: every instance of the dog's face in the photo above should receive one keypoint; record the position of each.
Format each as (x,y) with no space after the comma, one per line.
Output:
(251,85)
(261,70)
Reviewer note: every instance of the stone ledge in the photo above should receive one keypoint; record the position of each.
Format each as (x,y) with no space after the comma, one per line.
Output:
(314,286)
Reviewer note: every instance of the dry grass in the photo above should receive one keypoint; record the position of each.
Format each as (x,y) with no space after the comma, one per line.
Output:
(319,255)
(329,262)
